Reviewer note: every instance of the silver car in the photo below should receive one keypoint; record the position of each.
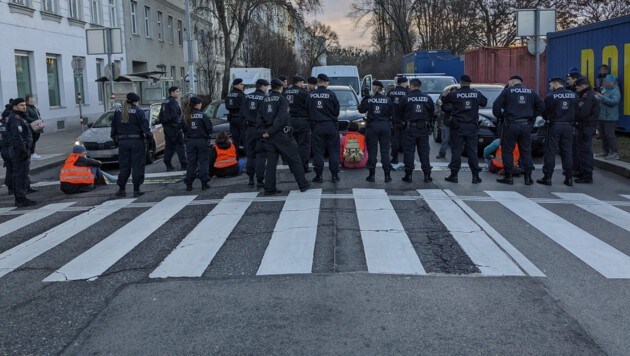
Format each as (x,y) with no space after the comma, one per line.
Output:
(99,144)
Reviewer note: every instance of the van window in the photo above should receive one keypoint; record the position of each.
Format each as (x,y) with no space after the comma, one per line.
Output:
(347,81)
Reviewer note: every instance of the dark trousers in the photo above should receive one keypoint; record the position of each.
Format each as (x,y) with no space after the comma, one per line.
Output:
(236,127)
(198,156)
(325,136)
(397,144)
(230,171)
(255,151)
(35,139)
(513,134)
(379,133)
(559,139)
(464,137)
(583,151)
(417,138)
(131,159)
(446,139)
(607,132)
(302,135)
(8,164)
(20,174)
(174,140)
(282,144)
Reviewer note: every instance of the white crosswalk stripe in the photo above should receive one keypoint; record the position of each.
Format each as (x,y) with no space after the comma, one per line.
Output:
(605,211)
(5,210)
(31,217)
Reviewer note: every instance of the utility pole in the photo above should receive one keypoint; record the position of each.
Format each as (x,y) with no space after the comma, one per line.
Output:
(189,40)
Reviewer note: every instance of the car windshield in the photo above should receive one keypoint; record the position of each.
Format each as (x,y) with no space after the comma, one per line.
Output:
(491,94)
(347,99)
(345,81)
(213,112)
(105,120)
(435,85)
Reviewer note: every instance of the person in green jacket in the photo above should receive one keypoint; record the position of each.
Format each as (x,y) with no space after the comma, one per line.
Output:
(608,116)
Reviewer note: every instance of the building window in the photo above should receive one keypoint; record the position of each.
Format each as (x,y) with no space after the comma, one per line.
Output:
(52,70)
(169,25)
(180,35)
(95,11)
(75,9)
(113,19)
(79,86)
(147,21)
(134,17)
(49,6)
(173,72)
(26,3)
(23,73)
(160,26)
(182,73)
(99,73)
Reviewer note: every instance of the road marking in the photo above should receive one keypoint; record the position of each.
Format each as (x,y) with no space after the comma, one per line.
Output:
(605,211)
(603,258)
(195,253)
(31,217)
(23,253)
(483,252)
(106,253)
(4,210)
(385,242)
(292,243)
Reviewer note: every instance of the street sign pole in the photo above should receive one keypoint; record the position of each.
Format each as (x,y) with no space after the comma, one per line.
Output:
(191,63)
(111,65)
(536,39)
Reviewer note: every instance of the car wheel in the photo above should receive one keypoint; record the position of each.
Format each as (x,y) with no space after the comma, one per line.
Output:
(437,131)
(150,152)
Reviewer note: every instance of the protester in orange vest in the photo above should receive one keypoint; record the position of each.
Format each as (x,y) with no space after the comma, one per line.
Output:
(494,158)
(353,150)
(223,157)
(80,173)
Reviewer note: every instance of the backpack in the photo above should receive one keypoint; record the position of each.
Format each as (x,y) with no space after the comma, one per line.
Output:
(352,152)
(161,119)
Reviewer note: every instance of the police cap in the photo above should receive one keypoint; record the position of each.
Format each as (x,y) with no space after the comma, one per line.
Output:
(237,81)
(298,79)
(582,81)
(516,77)
(311,80)
(196,100)
(465,79)
(402,79)
(261,82)
(573,70)
(324,77)
(575,75)
(415,81)
(377,83)
(133,97)
(17,101)
(277,83)
(282,78)
(556,80)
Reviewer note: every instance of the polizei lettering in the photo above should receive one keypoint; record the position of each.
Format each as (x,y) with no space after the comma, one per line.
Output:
(466,95)
(272,98)
(564,96)
(378,100)
(256,97)
(521,90)
(421,99)
(320,96)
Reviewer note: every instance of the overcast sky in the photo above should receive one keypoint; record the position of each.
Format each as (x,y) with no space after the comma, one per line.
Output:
(335,14)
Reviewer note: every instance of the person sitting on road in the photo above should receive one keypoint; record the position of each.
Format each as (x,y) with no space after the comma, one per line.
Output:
(223,157)
(494,158)
(353,149)
(80,174)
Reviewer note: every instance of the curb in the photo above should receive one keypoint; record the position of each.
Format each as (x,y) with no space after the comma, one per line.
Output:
(615,166)
(51,162)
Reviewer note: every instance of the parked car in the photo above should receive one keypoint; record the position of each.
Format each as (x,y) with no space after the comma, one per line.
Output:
(100,145)
(487,120)
(433,84)
(218,116)
(348,108)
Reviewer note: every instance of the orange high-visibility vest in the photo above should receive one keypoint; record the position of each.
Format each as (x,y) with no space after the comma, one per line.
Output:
(73,174)
(225,157)
(498,158)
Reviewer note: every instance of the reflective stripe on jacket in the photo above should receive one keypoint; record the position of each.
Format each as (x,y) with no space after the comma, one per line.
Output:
(73,174)
(225,157)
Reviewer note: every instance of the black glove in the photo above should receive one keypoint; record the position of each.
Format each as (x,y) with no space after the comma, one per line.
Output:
(365,92)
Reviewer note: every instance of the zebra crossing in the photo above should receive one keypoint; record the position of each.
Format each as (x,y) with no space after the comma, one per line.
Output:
(386,244)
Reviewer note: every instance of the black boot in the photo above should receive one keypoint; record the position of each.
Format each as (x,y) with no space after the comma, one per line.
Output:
(335,177)
(476,179)
(10,192)
(318,178)
(121,192)
(388,177)
(584,179)
(408,177)
(260,183)
(507,179)
(205,186)
(452,178)
(169,167)
(546,180)
(251,181)
(528,178)
(370,177)
(189,187)
(568,181)
(427,177)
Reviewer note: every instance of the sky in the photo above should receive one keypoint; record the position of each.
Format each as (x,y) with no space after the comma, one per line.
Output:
(335,14)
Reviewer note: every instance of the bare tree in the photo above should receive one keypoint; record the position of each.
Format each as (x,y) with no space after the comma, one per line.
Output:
(270,50)
(599,10)
(318,39)
(446,24)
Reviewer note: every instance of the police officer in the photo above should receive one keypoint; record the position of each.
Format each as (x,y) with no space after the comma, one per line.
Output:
(561,109)
(323,110)
(254,147)
(297,96)
(19,132)
(516,109)
(417,109)
(233,103)
(129,130)
(5,147)
(285,82)
(171,118)
(463,105)
(274,127)
(379,109)
(587,116)
(311,84)
(197,130)
(397,95)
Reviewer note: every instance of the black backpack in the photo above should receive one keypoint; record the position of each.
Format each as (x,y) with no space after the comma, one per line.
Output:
(161,116)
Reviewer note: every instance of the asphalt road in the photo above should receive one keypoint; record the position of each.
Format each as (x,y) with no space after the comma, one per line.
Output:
(460,272)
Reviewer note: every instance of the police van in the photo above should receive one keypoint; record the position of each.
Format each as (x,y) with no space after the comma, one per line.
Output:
(346,76)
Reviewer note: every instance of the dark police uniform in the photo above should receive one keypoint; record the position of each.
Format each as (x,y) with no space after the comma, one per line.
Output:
(561,109)
(297,98)
(5,148)
(397,95)
(463,105)
(323,110)
(587,116)
(233,103)
(275,121)
(379,109)
(21,140)
(197,150)
(130,137)
(417,109)
(254,147)
(516,108)
(172,123)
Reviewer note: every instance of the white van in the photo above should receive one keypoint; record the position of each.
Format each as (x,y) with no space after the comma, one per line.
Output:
(344,75)
(250,76)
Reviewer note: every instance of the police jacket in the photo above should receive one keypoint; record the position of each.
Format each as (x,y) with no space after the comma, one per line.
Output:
(20,135)
(417,106)
(322,105)
(297,101)
(251,105)
(464,104)
(274,114)
(397,95)
(4,133)
(378,108)
(561,105)
(517,103)
(136,127)
(233,102)
(588,111)
(172,113)
(200,125)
